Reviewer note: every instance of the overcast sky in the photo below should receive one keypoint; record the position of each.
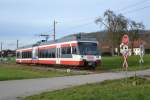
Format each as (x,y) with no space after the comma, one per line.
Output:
(23,19)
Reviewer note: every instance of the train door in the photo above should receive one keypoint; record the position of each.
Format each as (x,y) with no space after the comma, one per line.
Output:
(20,56)
(58,54)
(35,55)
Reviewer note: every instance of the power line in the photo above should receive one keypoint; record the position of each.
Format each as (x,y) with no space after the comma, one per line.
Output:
(80,25)
(138,9)
(81,19)
(122,9)
(133,5)
(127,7)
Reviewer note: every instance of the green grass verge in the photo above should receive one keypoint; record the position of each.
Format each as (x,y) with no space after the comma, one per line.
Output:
(12,71)
(108,90)
(115,63)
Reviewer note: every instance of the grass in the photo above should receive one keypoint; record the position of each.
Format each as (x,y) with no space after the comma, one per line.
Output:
(108,90)
(12,71)
(115,63)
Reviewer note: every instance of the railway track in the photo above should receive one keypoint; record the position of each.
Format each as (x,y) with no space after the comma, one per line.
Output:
(72,69)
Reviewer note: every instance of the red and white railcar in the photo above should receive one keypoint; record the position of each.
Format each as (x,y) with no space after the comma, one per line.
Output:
(73,50)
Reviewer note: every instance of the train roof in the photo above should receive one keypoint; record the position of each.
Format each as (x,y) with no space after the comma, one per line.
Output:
(75,37)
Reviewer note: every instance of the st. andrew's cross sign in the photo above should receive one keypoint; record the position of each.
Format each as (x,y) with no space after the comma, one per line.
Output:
(124,50)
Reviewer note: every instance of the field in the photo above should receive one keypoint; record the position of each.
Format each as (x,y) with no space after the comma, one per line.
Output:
(12,71)
(108,90)
(115,63)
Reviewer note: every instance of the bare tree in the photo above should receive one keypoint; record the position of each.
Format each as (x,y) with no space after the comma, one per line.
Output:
(134,28)
(116,25)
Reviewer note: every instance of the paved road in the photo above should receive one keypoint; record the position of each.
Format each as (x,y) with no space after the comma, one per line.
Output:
(13,90)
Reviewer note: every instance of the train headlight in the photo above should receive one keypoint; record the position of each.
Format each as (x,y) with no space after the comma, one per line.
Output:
(81,56)
(100,57)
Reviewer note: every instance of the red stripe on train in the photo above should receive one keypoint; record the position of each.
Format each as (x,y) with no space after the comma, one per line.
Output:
(47,47)
(24,61)
(74,44)
(28,50)
(72,62)
(65,45)
(68,45)
(51,62)
(47,62)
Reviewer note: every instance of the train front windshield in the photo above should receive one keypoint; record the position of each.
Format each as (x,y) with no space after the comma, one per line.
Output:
(88,48)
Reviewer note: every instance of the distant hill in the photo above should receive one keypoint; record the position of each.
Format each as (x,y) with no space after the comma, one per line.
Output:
(101,36)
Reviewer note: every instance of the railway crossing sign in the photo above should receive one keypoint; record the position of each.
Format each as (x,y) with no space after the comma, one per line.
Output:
(124,50)
(125,39)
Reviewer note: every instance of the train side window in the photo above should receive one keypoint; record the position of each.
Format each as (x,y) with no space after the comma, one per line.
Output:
(43,54)
(63,50)
(49,53)
(74,50)
(53,52)
(22,54)
(46,53)
(27,56)
(40,53)
(18,55)
(30,56)
(53,55)
(66,50)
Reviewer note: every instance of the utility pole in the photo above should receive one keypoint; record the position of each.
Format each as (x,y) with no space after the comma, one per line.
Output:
(1,50)
(17,44)
(54,30)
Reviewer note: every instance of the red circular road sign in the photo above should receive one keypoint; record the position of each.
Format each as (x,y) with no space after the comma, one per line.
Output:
(125,39)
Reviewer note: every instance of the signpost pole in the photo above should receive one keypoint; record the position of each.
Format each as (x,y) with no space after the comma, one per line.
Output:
(125,52)
(1,51)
